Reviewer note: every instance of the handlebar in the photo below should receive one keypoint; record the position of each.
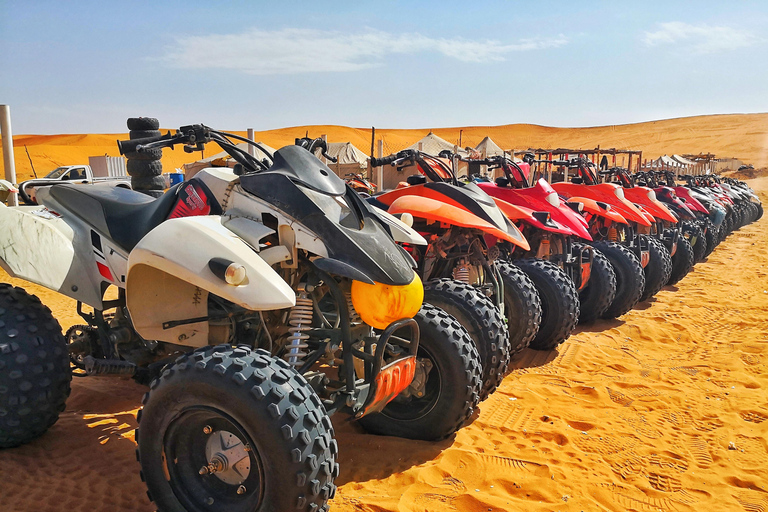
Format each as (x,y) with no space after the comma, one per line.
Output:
(378,162)
(313,144)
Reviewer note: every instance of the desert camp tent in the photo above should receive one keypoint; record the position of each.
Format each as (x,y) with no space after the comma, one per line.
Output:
(665,162)
(222,160)
(350,160)
(433,145)
(684,161)
(489,148)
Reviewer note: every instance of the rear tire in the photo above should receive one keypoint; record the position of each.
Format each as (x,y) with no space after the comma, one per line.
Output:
(143,123)
(144,168)
(251,401)
(658,270)
(559,302)
(452,389)
(152,183)
(682,261)
(483,322)
(35,374)
(630,279)
(522,306)
(597,296)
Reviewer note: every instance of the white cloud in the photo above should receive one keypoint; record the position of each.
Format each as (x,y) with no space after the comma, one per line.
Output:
(701,38)
(287,51)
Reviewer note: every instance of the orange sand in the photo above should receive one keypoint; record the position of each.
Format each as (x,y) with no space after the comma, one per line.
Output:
(633,414)
(743,136)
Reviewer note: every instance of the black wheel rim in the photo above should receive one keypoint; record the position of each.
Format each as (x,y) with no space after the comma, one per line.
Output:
(413,408)
(187,449)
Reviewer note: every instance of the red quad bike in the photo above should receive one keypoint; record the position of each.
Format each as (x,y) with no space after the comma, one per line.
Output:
(553,229)
(618,239)
(455,219)
(663,235)
(690,232)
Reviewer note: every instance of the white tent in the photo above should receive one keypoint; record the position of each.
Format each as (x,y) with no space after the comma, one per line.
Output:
(665,161)
(223,159)
(431,144)
(489,148)
(347,154)
(683,160)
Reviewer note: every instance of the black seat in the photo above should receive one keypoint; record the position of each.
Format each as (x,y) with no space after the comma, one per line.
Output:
(123,214)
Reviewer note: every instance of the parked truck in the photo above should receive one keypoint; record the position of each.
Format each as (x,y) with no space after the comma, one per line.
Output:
(102,170)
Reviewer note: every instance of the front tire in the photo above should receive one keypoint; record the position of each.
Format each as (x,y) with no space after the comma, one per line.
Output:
(522,306)
(452,389)
(682,261)
(630,279)
(248,409)
(559,302)
(659,268)
(482,320)
(35,374)
(596,297)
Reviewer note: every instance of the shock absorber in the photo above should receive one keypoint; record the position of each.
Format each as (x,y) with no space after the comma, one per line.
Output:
(461,272)
(299,321)
(354,317)
(613,234)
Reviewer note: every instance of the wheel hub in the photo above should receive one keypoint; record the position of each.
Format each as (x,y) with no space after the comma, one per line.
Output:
(227,457)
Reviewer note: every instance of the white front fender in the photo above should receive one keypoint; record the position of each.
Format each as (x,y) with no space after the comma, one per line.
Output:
(169,279)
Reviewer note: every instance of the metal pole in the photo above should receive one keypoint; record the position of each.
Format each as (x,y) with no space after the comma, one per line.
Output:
(251,149)
(8,161)
(380,170)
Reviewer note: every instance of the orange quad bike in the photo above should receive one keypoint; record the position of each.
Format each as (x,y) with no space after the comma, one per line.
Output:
(557,263)
(622,239)
(458,220)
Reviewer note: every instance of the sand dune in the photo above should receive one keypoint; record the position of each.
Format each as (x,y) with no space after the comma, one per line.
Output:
(743,136)
(662,410)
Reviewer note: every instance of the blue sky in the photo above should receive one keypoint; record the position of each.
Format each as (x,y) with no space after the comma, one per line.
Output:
(84,67)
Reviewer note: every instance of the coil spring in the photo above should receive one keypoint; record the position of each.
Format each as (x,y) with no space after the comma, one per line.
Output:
(299,321)
(613,235)
(354,316)
(461,273)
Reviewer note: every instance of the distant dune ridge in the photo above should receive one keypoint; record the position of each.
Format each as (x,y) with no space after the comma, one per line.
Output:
(743,136)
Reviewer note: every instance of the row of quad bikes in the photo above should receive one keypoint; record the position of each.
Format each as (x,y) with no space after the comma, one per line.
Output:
(401,309)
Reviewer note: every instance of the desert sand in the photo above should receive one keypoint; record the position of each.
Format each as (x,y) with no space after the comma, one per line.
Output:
(743,136)
(662,410)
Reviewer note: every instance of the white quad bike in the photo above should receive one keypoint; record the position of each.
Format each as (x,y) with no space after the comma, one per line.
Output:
(254,303)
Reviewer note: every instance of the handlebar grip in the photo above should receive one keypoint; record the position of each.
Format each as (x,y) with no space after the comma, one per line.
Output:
(129,146)
(378,162)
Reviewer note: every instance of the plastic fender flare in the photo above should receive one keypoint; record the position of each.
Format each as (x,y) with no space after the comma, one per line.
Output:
(431,209)
(519,213)
(401,232)
(591,206)
(175,255)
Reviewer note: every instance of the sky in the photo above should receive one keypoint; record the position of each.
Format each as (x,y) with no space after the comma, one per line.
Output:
(84,67)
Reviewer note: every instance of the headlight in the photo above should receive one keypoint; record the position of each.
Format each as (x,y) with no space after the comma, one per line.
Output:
(553,199)
(619,192)
(381,304)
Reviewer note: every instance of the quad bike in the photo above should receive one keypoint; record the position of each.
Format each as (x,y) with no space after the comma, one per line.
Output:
(621,237)
(254,304)
(360,184)
(461,271)
(691,231)
(558,264)
(663,234)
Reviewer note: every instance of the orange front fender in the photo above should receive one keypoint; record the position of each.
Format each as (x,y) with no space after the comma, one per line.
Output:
(431,209)
(591,206)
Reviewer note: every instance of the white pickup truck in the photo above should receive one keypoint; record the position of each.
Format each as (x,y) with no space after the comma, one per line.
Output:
(78,174)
